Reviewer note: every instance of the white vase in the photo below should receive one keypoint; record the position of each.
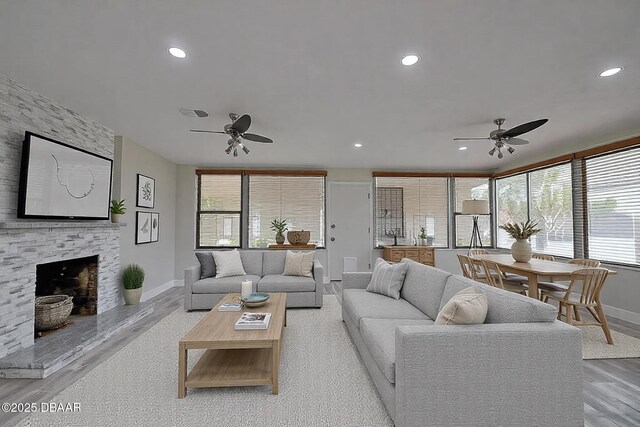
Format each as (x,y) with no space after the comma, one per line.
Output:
(521,250)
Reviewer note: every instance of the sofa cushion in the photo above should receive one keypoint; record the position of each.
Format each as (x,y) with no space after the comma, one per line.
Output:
(207,264)
(280,283)
(387,279)
(504,306)
(467,307)
(222,285)
(273,262)
(362,304)
(424,286)
(228,263)
(379,335)
(252,262)
(299,263)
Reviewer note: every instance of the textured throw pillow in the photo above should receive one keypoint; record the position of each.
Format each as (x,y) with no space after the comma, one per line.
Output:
(387,279)
(207,266)
(228,263)
(467,307)
(299,263)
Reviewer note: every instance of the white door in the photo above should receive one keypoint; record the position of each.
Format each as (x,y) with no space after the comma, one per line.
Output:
(349,233)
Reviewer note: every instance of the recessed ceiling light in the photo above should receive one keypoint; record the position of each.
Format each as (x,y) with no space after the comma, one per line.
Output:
(610,72)
(177,52)
(410,60)
(462,148)
(357,145)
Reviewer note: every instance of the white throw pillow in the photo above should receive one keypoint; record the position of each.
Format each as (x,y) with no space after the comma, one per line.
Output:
(228,263)
(467,307)
(299,263)
(387,279)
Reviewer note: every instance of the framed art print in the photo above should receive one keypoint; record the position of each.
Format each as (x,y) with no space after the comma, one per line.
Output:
(143,227)
(146,193)
(155,226)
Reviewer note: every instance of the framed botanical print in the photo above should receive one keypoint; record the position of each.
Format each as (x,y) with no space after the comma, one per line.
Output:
(143,227)
(146,194)
(155,226)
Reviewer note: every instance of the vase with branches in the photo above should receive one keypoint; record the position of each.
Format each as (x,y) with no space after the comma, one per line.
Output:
(521,232)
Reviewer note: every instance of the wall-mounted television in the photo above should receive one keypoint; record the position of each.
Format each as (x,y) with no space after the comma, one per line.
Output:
(58,181)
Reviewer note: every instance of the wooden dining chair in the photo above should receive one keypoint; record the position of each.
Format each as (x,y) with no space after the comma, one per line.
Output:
(474,252)
(592,281)
(544,257)
(494,277)
(467,267)
(562,287)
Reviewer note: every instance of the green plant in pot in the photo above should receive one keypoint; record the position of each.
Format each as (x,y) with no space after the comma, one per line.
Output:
(117,210)
(132,278)
(521,248)
(422,237)
(279,226)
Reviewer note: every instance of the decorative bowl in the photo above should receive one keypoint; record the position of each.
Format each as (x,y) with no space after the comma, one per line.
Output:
(256,300)
(298,238)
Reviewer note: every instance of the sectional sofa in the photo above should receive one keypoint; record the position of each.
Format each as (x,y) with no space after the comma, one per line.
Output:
(521,367)
(262,267)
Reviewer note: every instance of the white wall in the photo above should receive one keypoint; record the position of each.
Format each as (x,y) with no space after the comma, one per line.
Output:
(156,258)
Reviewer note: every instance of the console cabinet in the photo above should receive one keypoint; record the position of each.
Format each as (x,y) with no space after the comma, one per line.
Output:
(422,254)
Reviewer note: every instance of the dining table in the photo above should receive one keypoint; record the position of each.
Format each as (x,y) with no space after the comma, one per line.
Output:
(535,269)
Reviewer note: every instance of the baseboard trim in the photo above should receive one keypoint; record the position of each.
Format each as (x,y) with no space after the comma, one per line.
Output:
(160,289)
(618,313)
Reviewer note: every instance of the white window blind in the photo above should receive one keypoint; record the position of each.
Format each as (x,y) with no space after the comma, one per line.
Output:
(551,206)
(511,203)
(465,189)
(219,209)
(404,205)
(298,199)
(613,207)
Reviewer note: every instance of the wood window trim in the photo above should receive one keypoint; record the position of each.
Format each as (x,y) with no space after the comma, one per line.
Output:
(534,166)
(392,174)
(261,172)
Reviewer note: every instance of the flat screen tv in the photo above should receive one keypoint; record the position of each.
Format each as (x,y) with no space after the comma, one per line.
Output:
(58,181)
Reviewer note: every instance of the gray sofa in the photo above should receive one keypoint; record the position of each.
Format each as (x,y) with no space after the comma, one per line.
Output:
(521,367)
(262,267)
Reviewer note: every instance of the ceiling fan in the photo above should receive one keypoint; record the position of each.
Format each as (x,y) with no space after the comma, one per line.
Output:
(506,138)
(237,131)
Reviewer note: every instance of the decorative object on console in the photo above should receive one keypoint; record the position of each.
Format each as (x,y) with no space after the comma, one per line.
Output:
(422,237)
(394,233)
(52,311)
(117,210)
(279,226)
(61,181)
(521,248)
(143,227)
(228,264)
(299,264)
(298,238)
(475,207)
(132,279)
(387,279)
(146,192)
(155,226)
(237,131)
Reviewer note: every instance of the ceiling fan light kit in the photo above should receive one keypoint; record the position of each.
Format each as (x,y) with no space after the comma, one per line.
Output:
(237,131)
(506,138)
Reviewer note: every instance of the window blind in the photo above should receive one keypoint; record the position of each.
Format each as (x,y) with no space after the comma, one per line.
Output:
(219,209)
(465,189)
(511,205)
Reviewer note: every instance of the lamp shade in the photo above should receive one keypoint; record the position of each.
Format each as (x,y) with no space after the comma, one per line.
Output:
(475,207)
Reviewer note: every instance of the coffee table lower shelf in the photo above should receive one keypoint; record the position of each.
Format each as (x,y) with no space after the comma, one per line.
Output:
(232,367)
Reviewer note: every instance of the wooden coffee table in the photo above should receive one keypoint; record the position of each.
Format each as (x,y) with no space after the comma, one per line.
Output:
(234,358)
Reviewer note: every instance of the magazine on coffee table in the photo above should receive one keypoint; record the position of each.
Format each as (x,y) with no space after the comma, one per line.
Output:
(231,306)
(253,321)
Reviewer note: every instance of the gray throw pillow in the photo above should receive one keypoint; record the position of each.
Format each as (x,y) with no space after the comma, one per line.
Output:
(207,265)
(387,279)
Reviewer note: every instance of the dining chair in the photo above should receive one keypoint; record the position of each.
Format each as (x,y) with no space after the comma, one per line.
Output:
(494,277)
(562,287)
(474,252)
(592,281)
(467,267)
(544,257)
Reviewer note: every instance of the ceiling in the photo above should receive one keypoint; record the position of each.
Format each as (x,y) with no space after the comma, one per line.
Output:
(319,76)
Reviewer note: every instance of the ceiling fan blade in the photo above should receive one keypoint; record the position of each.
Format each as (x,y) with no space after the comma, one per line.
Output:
(523,128)
(468,139)
(242,124)
(205,131)
(256,138)
(516,141)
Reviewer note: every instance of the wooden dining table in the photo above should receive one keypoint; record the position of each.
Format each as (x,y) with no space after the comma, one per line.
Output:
(534,269)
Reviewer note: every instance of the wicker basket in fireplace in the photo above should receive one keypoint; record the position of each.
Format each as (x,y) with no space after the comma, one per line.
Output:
(52,311)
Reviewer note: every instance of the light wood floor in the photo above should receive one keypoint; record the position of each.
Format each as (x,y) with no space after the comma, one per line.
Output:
(611,387)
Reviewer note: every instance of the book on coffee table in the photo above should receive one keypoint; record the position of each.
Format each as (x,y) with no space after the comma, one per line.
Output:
(253,321)
(231,306)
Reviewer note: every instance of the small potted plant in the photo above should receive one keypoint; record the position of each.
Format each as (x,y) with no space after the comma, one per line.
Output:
(132,278)
(423,237)
(279,226)
(117,210)
(521,248)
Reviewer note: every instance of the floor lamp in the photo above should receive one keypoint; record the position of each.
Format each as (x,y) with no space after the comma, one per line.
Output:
(475,207)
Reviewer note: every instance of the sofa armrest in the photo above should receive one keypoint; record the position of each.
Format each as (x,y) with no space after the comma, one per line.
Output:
(353,280)
(318,275)
(490,374)
(191,276)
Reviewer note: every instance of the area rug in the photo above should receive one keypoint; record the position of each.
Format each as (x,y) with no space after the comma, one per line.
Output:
(322,383)
(594,345)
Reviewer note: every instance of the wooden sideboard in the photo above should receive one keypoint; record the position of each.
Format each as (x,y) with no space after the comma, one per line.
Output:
(422,254)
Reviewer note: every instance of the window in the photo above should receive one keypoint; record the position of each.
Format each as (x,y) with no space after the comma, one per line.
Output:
(465,189)
(298,199)
(219,211)
(405,205)
(544,196)
(613,207)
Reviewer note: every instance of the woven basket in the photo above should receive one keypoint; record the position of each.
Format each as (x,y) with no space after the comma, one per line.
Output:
(298,238)
(52,311)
